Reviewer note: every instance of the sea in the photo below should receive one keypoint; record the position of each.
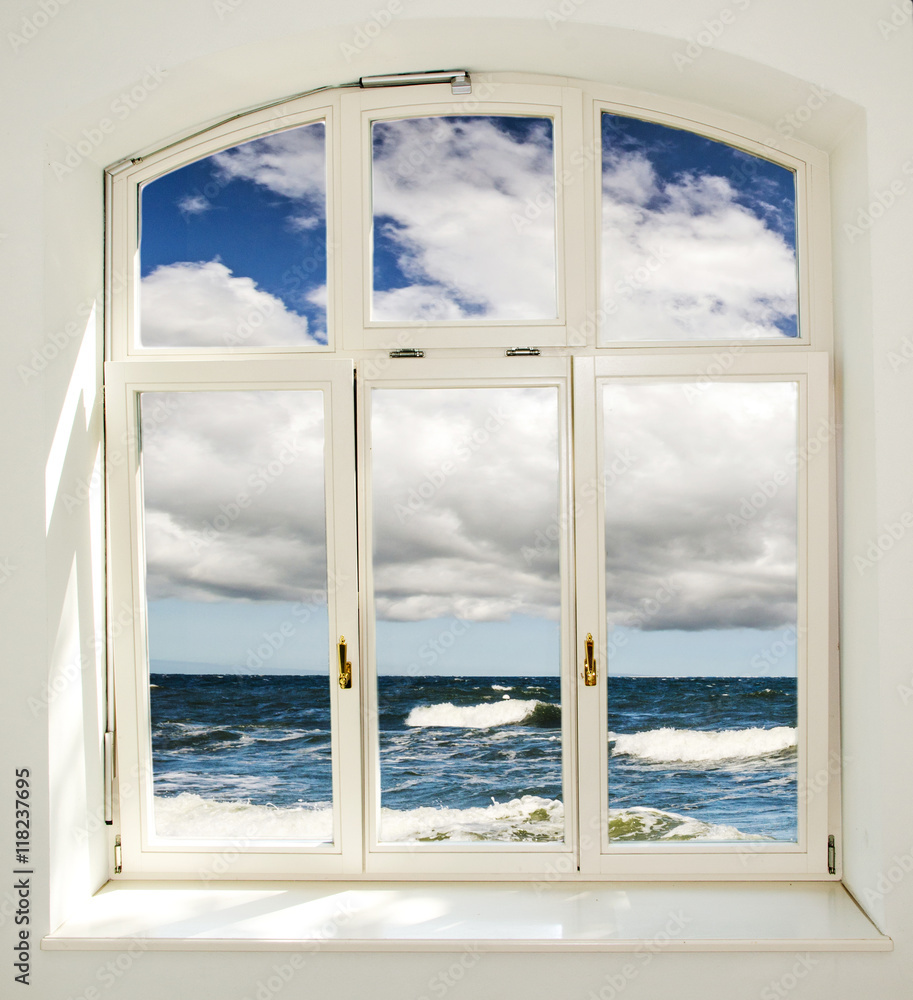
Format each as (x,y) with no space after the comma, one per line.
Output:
(470,759)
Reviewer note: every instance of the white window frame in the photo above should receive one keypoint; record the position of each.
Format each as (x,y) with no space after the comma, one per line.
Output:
(360,110)
(142,851)
(817,811)
(815,321)
(489,858)
(462,350)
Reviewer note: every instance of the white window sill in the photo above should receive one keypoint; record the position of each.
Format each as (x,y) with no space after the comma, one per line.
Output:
(470,916)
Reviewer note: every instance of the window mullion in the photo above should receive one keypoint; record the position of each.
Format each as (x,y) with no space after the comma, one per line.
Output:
(590,605)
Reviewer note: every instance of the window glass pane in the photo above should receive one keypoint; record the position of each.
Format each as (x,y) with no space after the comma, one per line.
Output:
(701,571)
(464,219)
(236,581)
(467,609)
(234,247)
(698,238)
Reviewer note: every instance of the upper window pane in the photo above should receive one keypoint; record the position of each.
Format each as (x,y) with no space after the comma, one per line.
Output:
(234,247)
(464,219)
(698,239)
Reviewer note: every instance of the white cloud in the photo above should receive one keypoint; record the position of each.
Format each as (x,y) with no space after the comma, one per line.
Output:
(465,481)
(193,204)
(457,510)
(417,302)
(233,491)
(302,223)
(464,502)
(472,533)
(318,296)
(291,163)
(204,305)
(458,194)
(675,512)
(684,260)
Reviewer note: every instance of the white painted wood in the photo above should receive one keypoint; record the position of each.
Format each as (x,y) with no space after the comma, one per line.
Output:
(470,917)
(490,96)
(124,188)
(489,858)
(466,353)
(812,199)
(818,759)
(143,851)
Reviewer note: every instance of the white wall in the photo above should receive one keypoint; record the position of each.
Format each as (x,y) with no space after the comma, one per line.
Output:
(64,64)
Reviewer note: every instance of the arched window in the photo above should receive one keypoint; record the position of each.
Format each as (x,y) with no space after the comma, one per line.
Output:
(554,596)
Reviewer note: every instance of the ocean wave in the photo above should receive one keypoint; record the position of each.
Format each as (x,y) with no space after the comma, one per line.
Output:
(642,823)
(501,687)
(186,737)
(496,713)
(670,746)
(530,818)
(191,817)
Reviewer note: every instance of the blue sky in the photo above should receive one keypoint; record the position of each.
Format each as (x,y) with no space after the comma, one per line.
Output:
(767,189)
(454,235)
(259,211)
(713,226)
(272,637)
(234,250)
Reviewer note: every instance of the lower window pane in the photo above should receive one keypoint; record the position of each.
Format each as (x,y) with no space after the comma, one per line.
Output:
(236,581)
(701,571)
(467,609)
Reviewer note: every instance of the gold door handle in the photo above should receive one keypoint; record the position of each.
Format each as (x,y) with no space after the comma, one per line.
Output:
(345,667)
(589,666)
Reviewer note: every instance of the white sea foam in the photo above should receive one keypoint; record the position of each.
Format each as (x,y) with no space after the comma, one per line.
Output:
(529,818)
(501,687)
(495,713)
(689,745)
(192,817)
(641,823)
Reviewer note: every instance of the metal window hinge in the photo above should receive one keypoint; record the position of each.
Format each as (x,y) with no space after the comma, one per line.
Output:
(407,352)
(118,856)
(831,856)
(109,777)
(523,352)
(457,78)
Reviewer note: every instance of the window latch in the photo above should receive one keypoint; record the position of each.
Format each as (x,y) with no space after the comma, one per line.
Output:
(345,667)
(589,666)
(523,352)
(407,352)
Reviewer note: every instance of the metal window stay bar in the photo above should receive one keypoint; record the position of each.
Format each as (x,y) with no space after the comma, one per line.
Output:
(459,80)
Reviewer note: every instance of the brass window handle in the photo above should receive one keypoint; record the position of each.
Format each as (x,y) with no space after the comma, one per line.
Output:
(589,666)
(345,667)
